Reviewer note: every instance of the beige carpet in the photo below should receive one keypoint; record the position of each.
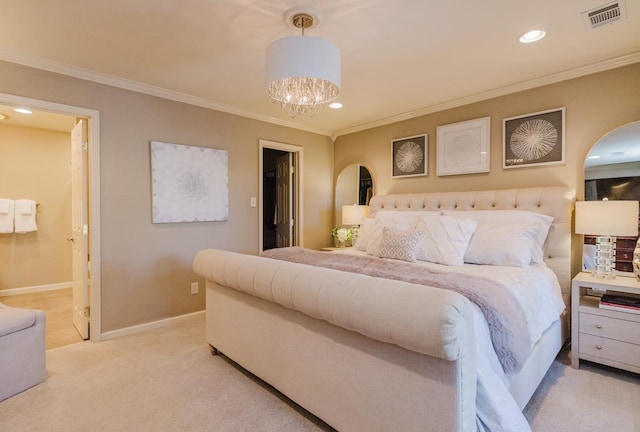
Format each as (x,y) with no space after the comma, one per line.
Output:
(166,380)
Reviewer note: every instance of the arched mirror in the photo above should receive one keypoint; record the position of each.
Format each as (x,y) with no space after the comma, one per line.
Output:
(612,170)
(353,186)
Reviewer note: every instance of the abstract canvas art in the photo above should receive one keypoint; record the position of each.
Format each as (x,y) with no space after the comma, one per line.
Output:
(534,139)
(188,184)
(409,156)
(463,148)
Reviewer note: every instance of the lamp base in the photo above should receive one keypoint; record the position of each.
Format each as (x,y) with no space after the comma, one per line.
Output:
(605,257)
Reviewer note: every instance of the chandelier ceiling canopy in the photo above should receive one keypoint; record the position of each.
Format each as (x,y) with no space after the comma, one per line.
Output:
(303,72)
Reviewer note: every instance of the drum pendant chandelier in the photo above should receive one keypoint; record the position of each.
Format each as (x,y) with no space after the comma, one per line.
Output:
(303,72)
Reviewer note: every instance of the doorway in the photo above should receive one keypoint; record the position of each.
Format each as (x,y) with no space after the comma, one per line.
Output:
(86,292)
(280,185)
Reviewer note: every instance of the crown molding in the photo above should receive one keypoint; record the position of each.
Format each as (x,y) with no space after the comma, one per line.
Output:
(110,80)
(502,91)
(101,78)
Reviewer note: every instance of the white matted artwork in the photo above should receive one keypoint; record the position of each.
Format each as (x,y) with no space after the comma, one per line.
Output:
(463,148)
(189,184)
(534,139)
(409,156)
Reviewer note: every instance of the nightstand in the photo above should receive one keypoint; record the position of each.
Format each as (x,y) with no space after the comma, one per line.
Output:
(599,335)
(331,248)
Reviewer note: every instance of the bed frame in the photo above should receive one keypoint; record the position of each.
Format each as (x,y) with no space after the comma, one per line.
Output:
(356,382)
(552,201)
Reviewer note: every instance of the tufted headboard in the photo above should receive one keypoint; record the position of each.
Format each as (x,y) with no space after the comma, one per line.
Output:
(553,201)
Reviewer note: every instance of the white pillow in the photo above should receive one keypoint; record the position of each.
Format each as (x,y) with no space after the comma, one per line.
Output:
(400,245)
(446,238)
(502,243)
(540,221)
(364,234)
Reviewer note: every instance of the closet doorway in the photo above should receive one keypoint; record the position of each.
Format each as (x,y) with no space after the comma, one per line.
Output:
(80,227)
(280,185)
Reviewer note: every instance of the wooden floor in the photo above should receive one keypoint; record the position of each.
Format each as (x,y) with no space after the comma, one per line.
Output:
(57,306)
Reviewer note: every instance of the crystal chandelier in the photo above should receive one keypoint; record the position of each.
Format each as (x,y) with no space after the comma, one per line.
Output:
(303,72)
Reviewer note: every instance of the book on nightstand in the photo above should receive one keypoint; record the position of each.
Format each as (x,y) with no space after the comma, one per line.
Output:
(621,303)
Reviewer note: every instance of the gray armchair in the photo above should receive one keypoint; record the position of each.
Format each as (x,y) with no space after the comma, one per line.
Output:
(22,350)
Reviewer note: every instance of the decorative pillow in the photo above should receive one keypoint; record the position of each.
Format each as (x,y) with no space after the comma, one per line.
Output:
(402,224)
(502,243)
(402,220)
(400,245)
(540,221)
(445,238)
(364,235)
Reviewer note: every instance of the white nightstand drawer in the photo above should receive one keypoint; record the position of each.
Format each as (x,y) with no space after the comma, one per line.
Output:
(610,349)
(622,330)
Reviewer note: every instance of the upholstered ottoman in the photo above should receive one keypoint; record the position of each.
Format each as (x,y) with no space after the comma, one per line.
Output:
(22,350)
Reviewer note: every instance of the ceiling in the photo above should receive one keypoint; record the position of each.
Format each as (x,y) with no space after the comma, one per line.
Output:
(400,59)
(37,119)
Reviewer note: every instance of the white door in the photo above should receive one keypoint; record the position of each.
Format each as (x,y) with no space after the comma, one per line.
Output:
(284,201)
(79,228)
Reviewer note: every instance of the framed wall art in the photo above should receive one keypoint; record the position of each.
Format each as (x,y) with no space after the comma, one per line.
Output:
(409,156)
(463,148)
(534,139)
(188,184)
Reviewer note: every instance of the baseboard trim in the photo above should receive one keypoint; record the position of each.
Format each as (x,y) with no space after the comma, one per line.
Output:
(113,334)
(34,289)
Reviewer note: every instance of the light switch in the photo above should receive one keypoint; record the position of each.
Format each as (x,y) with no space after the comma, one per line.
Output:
(253,202)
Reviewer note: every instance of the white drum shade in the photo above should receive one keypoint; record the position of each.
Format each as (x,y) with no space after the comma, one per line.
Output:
(608,218)
(304,57)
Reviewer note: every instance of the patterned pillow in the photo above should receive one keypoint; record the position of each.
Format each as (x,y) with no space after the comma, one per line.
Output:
(401,220)
(445,239)
(400,245)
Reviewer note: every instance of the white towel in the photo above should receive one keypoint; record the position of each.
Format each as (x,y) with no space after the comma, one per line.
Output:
(6,215)
(25,216)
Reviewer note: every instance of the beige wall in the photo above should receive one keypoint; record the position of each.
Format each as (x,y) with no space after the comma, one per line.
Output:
(35,164)
(146,268)
(595,104)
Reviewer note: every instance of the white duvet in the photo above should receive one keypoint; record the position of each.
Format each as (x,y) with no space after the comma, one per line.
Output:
(538,292)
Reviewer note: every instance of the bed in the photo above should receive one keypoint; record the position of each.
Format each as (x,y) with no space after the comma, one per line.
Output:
(366,352)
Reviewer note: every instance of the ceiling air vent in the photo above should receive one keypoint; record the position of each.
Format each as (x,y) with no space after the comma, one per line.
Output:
(603,15)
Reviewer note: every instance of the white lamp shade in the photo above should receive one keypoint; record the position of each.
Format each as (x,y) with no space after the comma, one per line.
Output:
(353,214)
(303,56)
(607,218)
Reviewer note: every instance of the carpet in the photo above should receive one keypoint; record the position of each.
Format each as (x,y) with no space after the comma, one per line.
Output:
(166,380)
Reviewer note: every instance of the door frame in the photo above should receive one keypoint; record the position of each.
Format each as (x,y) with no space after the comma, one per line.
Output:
(298,153)
(93,207)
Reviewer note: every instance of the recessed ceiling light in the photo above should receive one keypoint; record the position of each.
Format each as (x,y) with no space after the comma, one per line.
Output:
(532,36)
(335,105)
(23,111)
(2,116)
(594,157)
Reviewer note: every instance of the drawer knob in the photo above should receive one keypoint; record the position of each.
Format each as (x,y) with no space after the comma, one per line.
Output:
(599,347)
(599,326)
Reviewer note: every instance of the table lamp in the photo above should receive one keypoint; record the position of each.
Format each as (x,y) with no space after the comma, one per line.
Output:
(353,215)
(607,220)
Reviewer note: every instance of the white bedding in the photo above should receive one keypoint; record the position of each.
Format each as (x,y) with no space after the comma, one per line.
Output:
(537,290)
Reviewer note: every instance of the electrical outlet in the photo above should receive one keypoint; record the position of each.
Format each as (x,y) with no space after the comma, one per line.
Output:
(194,287)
